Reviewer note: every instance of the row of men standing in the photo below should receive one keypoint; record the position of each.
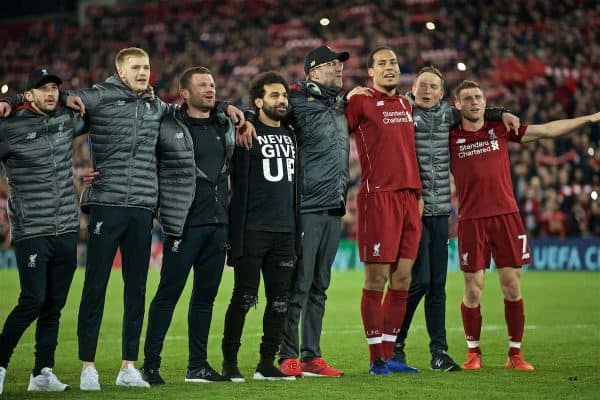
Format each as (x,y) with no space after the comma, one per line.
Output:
(125,123)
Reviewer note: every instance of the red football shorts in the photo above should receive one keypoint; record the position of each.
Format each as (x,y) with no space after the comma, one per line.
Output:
(502,237)
(389,226)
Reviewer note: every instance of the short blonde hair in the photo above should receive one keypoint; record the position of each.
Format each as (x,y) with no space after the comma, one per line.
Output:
(129,52)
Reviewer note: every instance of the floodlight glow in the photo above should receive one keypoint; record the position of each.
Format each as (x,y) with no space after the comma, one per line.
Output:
(594,195)
(4,89)
(324,21)
(461,66)
(591,151)
(430,25)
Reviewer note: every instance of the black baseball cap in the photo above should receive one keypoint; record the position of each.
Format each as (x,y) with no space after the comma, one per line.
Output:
(40,76)
(322,55)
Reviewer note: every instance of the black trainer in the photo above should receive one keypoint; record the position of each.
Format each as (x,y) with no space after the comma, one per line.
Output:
(152,376)
(399,354)
(232,372)
(204,374)
(268,372)
(441,361)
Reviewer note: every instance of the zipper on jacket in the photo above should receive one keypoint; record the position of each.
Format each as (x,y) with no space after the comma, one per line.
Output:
(55,177)
(431,152)
(133,142)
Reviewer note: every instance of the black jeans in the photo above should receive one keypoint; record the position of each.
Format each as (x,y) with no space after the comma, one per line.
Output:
(429,280)
(46,267)
(274,254)
(203,247)
(130,229)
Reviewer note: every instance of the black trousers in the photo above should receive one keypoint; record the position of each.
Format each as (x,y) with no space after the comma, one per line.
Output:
(203,247)
(274,254)
(109,227)
(429,280)
(46,266)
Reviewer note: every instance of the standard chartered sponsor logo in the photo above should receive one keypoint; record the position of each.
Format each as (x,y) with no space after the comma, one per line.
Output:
(281,150)
(477,148)
(396,117)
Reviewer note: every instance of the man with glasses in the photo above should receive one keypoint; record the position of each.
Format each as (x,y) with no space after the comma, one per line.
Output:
(317,116)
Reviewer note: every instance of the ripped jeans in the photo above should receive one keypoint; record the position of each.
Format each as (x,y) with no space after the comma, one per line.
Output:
(273,254)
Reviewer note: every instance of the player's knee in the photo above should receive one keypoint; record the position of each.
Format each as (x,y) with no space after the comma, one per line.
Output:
(278,304)
(244,301)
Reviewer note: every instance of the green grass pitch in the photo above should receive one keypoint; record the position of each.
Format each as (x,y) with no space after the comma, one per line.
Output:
(562,340)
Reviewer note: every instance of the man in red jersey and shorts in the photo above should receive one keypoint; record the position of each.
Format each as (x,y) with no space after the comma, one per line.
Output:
(489,224)
(389,204)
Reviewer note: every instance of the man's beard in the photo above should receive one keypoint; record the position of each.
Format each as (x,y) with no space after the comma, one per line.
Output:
(273,113)
(39,104)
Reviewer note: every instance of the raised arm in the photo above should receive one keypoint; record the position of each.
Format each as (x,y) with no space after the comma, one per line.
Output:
(558,128)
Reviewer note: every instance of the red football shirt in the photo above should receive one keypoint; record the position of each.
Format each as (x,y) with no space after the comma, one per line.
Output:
(481,170)
(385,141)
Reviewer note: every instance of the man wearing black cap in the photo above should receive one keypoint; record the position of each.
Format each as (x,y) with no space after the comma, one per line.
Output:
(317,116)
(36,152)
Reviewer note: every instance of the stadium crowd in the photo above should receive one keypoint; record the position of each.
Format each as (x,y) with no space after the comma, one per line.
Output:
(539,58)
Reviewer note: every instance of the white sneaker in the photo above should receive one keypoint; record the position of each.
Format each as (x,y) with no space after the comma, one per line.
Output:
(131,377)
(2,376)
(46,382)
(89,379)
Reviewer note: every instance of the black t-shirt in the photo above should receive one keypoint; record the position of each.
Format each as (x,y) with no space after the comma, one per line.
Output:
(271,180)
(210,201)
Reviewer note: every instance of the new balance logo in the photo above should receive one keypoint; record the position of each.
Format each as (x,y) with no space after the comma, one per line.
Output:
(379,103)
(32,259)
(376,248)
(98,227)
(175,247)
(460,140)
(44,71)
(438,362)
(179,135)
(31,135)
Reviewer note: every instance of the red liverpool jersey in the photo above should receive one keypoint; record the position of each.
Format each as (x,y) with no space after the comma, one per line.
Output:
(481,170)
(385,140)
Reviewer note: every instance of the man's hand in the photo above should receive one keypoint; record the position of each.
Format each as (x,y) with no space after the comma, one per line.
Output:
(359,90)
(236,114)
(150,91)
(511,122)
(88,176)
(244,135)
(76,104)
(5,109)
(421,206)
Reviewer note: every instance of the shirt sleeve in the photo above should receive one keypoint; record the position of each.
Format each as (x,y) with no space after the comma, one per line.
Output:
(517,138)
(353,109)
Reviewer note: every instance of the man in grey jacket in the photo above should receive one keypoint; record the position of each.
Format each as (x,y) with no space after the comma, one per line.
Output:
(36,147)
(195,147)
(317,116)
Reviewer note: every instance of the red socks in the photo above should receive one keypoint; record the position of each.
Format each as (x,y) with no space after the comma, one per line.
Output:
(471,318)
(394,309)
(372,316)
(515,322)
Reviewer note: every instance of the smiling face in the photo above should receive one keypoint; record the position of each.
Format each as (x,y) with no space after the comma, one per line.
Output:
(200,92)
(135,72)
(428,90)
(329,74)
(274,104)
(385,71)
(44,98)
